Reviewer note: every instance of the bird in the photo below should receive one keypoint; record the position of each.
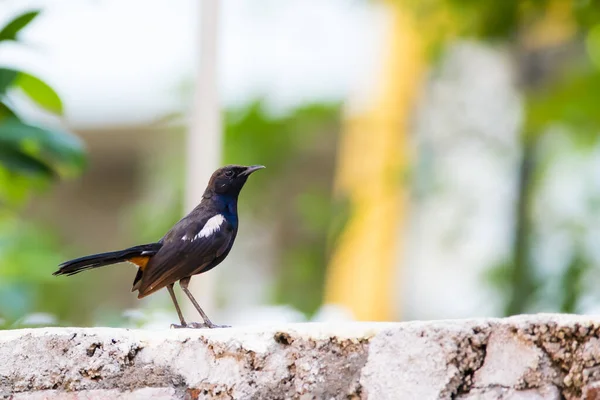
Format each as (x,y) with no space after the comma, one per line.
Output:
(196,244)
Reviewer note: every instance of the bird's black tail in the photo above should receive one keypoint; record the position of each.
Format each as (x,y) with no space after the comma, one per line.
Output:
(77,265)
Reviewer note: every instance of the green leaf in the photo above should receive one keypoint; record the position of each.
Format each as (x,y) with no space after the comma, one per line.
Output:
(19,162)
(39,92)
(6,111)
(11,30)
(7,78)
(62,151)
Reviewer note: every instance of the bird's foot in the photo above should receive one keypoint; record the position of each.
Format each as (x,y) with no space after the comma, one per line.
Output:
(215,326)
(199,325)
(206,324)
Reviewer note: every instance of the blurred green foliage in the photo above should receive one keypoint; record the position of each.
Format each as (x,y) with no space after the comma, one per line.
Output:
(560,81)
(32,154)
(298,149)
(571,101)
(31,158)
(494,20)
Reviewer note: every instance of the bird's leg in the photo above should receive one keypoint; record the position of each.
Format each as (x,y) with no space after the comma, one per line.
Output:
(179,313)
(207,322)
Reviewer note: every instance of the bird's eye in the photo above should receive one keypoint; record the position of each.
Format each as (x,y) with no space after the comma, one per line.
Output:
(229,174)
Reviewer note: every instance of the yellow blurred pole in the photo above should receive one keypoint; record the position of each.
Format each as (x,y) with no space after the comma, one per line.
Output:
(372,160)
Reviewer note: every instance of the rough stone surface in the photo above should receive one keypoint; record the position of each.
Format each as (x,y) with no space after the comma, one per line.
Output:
(519,358)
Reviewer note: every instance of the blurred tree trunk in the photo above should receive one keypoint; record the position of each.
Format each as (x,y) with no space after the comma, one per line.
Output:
(371,170)
(537,61)
(522,277)
(204,140)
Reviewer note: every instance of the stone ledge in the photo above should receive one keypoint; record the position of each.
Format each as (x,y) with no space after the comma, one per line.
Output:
(525,357)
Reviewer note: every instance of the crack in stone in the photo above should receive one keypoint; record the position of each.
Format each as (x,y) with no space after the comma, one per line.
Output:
(470,354)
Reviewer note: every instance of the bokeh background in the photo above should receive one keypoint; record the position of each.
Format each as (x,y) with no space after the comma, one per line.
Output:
(425,159)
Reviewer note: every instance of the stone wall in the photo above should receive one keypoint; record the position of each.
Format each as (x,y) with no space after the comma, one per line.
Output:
(526,357)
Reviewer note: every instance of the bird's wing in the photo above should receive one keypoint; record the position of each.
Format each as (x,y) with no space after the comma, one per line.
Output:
(187,249)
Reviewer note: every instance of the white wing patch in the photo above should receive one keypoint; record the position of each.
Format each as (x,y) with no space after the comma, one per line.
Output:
(212,225)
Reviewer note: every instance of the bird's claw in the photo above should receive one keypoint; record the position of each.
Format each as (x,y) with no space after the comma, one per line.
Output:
(199,325)
(215,326)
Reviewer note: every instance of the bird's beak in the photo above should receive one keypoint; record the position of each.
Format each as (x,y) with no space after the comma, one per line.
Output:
(251,169)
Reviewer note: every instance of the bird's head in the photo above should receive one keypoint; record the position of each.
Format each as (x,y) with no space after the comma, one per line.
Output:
(230,179)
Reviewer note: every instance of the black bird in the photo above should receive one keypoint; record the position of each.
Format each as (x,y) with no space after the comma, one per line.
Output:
(196,244)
